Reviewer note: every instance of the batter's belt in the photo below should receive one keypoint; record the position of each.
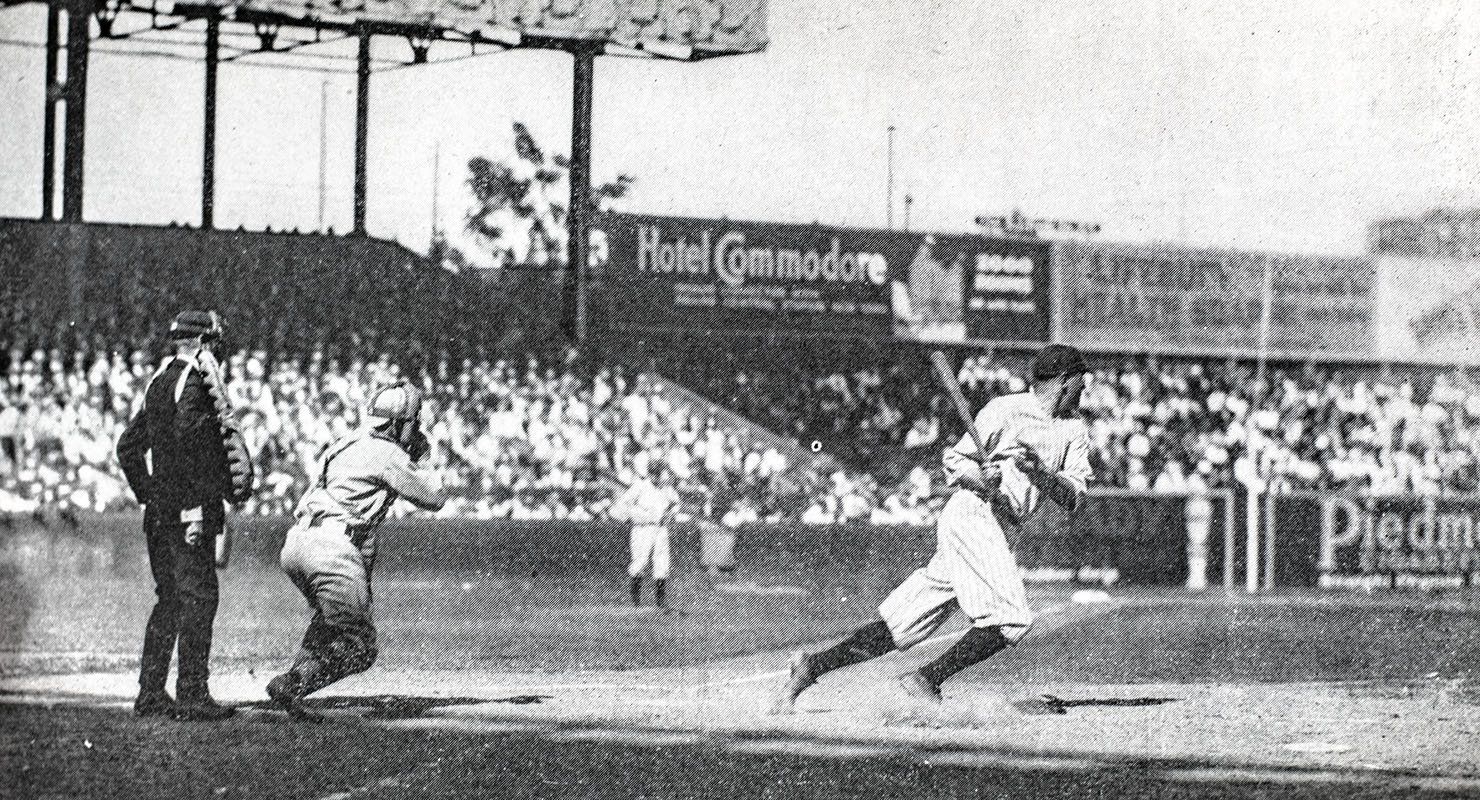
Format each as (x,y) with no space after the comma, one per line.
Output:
(1000,506)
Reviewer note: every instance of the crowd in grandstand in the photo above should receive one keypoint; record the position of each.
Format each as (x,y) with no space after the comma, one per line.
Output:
(516,438)
(1171,425)
(522,437)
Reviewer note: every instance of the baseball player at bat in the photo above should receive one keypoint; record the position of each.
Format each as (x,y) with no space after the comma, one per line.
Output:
(1038,448)
(329,552)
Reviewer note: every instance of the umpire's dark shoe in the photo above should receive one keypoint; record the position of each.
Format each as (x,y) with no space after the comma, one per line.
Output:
(154,703)
(916,686)
(201,708)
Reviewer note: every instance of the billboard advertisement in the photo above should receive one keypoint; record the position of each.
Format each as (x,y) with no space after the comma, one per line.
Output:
(1161,298)
(1428,310)
(1398,542)
(755,277)
(958,288)
(1337,541)
(1119,536)
(684,273)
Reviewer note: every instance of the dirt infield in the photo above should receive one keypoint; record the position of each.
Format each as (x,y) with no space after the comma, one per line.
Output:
(1153,694)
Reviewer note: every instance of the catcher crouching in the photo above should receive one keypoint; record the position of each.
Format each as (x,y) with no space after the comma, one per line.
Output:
(329,552)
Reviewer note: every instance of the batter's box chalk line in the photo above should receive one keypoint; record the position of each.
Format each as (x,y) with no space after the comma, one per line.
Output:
(1317,747)
(753,588)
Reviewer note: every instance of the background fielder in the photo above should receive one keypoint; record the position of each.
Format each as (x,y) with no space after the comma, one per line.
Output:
(649,505)
(1036,447)
(329,552)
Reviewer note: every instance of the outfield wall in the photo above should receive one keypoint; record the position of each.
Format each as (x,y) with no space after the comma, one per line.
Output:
(1348,541)
(1121,537)
(1319,540)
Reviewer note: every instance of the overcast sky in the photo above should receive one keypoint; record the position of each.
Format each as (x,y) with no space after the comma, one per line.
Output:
(1249,124)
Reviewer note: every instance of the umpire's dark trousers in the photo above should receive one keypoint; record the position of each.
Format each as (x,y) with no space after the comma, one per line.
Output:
(188,593)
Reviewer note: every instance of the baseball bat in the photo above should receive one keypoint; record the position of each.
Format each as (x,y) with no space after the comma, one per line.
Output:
(947,378)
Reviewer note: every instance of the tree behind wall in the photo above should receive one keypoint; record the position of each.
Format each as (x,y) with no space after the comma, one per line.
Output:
(518,216)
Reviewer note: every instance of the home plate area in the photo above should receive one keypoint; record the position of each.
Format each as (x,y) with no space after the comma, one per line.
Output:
(1154,695)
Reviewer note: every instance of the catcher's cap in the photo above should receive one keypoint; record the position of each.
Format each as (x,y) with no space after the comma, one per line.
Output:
(397,401)
(1056,360)
(190,324)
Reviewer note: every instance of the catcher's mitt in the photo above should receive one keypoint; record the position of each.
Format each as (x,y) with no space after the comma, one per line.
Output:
(418,447)
(239,464)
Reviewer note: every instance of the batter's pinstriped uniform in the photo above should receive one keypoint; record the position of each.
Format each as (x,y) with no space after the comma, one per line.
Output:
(973,566)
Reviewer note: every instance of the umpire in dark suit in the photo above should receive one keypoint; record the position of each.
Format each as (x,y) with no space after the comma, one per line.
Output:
(173,456)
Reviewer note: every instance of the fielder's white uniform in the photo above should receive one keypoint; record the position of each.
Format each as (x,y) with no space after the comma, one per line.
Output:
(649,508)
(973,566)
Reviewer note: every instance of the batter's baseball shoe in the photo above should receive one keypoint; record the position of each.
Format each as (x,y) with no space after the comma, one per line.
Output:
(284,691)
(154,703)
(917,687)
(801,678)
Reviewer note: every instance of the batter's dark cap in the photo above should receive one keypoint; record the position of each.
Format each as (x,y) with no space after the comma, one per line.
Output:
(1056,360)
(190,324)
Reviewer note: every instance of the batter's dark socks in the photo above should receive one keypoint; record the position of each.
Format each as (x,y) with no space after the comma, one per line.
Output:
(636,589)
(870,641)
(660,588)
(978,645)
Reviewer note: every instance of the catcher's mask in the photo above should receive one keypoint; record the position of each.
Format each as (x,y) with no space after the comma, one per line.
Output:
(206,325)
(399,401)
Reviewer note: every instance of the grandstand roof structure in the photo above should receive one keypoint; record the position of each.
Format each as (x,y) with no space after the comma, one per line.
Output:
(684,30)
(679,29)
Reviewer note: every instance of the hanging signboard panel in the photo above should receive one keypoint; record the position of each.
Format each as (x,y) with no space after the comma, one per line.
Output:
(753,277)
(1159,298)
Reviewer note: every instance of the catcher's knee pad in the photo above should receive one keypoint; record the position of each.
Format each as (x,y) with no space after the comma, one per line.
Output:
(367,658)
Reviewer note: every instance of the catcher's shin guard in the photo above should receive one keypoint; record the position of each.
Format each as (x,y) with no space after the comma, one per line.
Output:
(342,657)
(286,692)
